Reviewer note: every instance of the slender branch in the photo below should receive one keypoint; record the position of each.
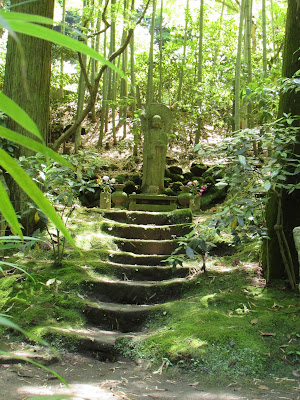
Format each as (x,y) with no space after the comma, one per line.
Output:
(86,78)
(107,24)
(65,136)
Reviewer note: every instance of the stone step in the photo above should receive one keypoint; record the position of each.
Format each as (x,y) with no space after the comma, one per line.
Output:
(136,292)
(182,216)
(139,272)
(118,317)
(123,257)
(89,339)
(138,246)
(148,232)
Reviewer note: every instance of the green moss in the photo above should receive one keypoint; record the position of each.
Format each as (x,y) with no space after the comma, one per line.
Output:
(227,327)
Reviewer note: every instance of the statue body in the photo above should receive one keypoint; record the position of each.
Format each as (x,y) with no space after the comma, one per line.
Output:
(156,123)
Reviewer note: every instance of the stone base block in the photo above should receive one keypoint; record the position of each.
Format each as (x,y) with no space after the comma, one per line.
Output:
(152,202)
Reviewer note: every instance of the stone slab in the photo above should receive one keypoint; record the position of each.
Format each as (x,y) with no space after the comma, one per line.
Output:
(296,233)
(152,202)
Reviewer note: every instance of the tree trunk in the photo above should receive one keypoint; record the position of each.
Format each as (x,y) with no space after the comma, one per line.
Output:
(149,96)
(31,93)
(272,259)
(238,71)
(160,52)
(264,35)
(199,74)
(63,29)
(184,51)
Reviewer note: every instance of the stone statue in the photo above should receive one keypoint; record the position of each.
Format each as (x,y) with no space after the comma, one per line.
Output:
(156,123)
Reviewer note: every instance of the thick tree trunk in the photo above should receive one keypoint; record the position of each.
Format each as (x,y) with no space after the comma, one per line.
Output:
(290,203)
(31,92)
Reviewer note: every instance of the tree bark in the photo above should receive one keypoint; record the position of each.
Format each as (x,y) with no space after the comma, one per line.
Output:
(31,93)
(272,261)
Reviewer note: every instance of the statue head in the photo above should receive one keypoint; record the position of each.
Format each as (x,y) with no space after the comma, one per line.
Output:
(156,121)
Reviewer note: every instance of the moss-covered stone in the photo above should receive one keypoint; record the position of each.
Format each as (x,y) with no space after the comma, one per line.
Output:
(198,169)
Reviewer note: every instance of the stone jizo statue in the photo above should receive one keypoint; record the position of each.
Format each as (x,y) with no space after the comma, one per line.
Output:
(156,123)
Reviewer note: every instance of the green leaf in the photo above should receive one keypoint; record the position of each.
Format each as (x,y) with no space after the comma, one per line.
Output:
(29,187)
(10,324)
(16,267)
(25,17)
(189,252)
(41,32)
(267,185)
(8,211)
(221,185)
(242,160)
(33,145)
(16,113)
(37,364)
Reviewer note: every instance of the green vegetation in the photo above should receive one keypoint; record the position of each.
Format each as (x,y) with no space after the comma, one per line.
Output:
(229,326)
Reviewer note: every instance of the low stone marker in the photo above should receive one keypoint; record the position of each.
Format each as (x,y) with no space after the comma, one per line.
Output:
(296,233)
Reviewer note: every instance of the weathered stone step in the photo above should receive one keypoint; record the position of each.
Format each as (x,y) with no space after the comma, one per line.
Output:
(89,339)
(148,232)
(118,317)
(136,259)
(138,246)
(136,292)
(139,272)
(148,218)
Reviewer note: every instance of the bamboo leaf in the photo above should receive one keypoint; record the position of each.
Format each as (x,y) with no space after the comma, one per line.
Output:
(29,187)
(10,324)
(35,363)
(8,211)
(41,32)
(16,113)
(6,16)
(33,145)
(16,267)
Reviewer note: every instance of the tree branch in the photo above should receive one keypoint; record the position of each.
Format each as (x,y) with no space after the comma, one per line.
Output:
(107,24)
(86,78)
(65,136)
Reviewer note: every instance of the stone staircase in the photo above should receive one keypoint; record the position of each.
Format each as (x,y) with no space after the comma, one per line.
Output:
(139,282)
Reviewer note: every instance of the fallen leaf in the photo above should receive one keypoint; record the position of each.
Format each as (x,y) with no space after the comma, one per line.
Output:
(254,321)
(194,384)
(261,387)
(267,334)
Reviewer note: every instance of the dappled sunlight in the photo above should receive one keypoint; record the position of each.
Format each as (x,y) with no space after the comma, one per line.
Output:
(82,391)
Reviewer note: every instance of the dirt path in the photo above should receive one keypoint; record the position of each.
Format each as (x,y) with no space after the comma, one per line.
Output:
(96,380)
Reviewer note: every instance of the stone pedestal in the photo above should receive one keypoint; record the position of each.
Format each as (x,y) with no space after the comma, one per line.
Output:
(150,202)
(105,200)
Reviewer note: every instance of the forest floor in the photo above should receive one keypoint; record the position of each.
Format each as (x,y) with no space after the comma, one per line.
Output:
(90,379)
(220,298)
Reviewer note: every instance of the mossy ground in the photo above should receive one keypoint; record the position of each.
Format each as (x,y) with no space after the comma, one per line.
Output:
(228,325)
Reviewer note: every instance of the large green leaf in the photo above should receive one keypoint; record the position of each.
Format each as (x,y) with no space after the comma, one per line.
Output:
(4,15)
(35,363)
(41,32)
(10,324)
(8,211)
(29,187)
(33,145)
(16,113)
